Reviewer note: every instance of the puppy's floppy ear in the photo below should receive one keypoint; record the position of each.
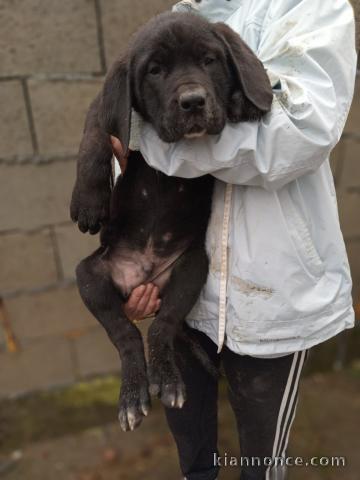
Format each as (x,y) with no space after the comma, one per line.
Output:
(116,102)
(248,69)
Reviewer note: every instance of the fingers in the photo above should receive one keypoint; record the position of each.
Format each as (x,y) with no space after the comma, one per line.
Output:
(148,302)
(143,301)
(119,153)
(117,147)
(123,164)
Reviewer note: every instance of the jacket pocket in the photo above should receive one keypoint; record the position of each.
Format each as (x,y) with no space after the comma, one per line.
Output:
(300,235)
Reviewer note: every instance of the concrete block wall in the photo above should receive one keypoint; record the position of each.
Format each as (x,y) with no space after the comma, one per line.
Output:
(346,168)
(53,56)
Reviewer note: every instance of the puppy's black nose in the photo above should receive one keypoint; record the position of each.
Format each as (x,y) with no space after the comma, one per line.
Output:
(192,100)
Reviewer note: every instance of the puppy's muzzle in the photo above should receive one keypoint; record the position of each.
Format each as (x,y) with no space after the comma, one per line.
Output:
(193,103)
(193,100)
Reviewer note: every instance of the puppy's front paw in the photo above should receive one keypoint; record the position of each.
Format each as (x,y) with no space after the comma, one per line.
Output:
(165,380)
(134,403)
(90,209)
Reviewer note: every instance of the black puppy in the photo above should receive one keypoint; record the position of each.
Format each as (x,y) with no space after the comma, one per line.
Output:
(186,77)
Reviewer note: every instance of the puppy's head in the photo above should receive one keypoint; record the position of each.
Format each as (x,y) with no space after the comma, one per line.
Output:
(186,77)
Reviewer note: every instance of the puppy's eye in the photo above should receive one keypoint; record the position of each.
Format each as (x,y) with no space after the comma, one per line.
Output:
(155,70)
(208,60)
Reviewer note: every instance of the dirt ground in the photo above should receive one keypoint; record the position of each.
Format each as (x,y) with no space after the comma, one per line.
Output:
(327,424)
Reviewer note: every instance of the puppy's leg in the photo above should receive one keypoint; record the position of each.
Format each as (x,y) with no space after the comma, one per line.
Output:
(179,296)
(90,200)
(105,302)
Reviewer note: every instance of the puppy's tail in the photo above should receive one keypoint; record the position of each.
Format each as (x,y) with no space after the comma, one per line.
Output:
(198,352)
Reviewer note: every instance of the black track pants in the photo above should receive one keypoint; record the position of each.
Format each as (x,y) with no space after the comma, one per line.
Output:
(263,394)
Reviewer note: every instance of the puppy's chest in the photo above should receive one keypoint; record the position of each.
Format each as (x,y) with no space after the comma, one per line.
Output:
(155,219)
(130,267)
(146,200)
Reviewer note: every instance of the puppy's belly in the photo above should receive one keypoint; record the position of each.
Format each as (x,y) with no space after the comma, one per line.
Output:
(129,269)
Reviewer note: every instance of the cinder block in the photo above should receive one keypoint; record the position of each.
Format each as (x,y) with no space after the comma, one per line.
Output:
(15,139)
(349,213)
(356,5)
(27,261)
(121,19)
(95,354)
(59,109)
(35,195)
(50,313)
(48,36)
(353,122)
(350,177)
(40,364)
(336,159)
(353,250)
(73,247)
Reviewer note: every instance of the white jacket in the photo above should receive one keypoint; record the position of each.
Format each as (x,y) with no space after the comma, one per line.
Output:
(289,284)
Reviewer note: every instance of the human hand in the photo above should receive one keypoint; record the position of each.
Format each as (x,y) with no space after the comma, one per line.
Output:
(119,152)
(143,302)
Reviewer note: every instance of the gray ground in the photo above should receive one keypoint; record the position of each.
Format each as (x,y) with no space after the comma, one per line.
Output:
(327,424)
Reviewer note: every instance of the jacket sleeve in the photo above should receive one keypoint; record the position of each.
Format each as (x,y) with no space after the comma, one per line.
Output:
(308,49)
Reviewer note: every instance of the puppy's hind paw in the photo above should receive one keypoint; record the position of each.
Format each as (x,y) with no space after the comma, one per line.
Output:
(169,388)
(173,396)
(134,405)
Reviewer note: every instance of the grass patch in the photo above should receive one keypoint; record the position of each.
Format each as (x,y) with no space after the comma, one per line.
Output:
(46,415)
(58,412)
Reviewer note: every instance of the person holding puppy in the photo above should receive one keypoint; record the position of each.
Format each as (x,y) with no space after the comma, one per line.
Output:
(274,232)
